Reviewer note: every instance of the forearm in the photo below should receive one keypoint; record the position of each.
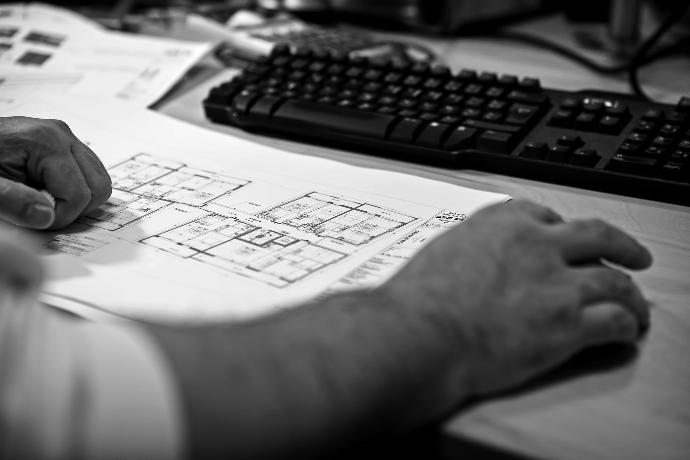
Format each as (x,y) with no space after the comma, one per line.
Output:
(315,378)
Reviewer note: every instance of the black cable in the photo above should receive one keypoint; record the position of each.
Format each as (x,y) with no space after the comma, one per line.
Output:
(639,59)
(635,63)
(560,50)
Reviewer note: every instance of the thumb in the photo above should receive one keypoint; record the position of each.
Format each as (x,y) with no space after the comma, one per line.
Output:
(24,206)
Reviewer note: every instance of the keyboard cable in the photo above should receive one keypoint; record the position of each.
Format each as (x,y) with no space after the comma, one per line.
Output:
(642,56)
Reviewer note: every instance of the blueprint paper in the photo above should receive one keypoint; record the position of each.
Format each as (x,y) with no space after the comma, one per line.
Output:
(48,49)
(203,226)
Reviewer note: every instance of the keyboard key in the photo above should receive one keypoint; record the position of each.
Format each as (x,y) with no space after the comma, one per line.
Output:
(677,118)
(570,141)
(528,98)
(460,138)
(450,120)
(491,126)
(508,80)
(432,83)
(473,89)
(610,125)
(559,153)
(439,70)
(585,120)
(653,115)
(427,116)
(562,118)
(675,171)
(585,157)
(336,119)
(405,131)
(662,142)
(432,134)
(487,77)
(466,75)
(495,142)
(496,105)
(668,130)
(683,105)
(570,103)
(412,80)
(494,92)
(629,148)
(242,101)
(530,84)
(265,106)
(535,150)
(644,127)
(593,106)
(453,86)
(631,164)
(420,68)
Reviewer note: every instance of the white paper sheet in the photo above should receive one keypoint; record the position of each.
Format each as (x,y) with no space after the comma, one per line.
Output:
(203,226)
(49,49)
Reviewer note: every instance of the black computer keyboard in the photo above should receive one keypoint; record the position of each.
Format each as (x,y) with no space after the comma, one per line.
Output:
(466,119)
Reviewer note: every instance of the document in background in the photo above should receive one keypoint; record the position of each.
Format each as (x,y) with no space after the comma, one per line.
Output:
(49,49)
(203,226)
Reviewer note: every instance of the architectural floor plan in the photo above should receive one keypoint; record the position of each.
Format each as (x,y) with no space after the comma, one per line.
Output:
(192,214)
(386,263)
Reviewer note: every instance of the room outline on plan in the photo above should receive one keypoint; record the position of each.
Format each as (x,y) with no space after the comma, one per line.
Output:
(262,231)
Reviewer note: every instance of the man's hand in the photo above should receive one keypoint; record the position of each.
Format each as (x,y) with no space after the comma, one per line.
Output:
(37,154)
(520,290)
(487,305)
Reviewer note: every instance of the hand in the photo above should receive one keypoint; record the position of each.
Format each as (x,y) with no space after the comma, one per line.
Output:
(519,290)
(40,154)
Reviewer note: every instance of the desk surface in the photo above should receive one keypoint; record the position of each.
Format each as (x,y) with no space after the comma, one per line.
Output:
(610,405)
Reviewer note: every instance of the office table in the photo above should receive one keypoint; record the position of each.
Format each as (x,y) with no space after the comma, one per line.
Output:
(609,403)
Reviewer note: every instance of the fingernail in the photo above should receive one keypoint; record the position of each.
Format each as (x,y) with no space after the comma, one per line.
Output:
(41,215)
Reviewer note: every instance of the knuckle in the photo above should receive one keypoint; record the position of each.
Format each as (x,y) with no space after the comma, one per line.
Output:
(623,324)
(82,198)
(102,193)
(59,124)
(601,229)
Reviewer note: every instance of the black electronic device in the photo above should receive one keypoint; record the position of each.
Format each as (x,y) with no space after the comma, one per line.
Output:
(501,123)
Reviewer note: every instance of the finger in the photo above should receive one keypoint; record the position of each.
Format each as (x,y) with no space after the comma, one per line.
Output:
(593,239)
(539,212)
(602,284)
(63,178)
(94,173)
(24,206)
(608,322)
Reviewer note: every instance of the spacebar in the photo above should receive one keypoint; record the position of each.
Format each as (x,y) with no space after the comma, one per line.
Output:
(338,119)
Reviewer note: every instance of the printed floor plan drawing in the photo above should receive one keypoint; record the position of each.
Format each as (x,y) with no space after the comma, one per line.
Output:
(188,213)
(146,184)
(390,260)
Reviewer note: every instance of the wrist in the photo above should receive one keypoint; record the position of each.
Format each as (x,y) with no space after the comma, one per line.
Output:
(440,348)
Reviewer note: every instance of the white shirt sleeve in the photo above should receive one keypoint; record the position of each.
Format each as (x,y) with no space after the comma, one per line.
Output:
(90,390)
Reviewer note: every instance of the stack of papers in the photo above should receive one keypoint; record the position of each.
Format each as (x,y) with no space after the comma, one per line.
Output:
(52,50)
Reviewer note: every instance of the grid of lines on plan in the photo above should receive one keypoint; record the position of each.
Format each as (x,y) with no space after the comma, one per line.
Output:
(279,245)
